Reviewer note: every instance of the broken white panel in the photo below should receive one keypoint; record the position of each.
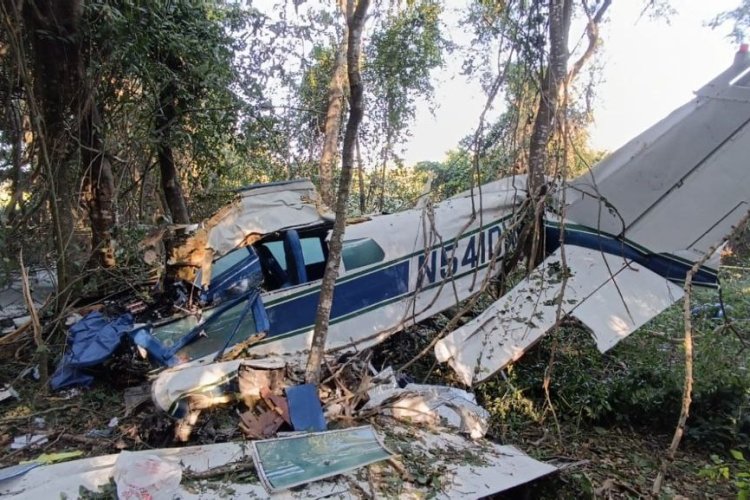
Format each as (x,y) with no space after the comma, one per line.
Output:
(173,384)
(625,303)
(263,210)
(494,469)
(64,480)
(468,469)
(7,393)
(433,405)
(611,296)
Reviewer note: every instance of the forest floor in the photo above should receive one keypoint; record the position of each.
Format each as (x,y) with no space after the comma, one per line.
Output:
(613,418)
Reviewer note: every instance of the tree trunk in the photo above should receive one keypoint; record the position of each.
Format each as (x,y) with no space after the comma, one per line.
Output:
(361,178)
(547,112)
(15,128)
(355,21)
(53,27)
(99,187)
(166,115)
(559,27)
(333,122)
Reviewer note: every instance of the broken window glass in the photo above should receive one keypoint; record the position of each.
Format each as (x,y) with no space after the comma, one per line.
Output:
(221,327)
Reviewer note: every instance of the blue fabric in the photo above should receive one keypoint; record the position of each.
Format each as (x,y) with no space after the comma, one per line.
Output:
(66,376)
(295,261)
(94,338)
(91,341)
(305,409)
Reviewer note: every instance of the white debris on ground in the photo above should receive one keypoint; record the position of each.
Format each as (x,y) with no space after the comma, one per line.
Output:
(439,464)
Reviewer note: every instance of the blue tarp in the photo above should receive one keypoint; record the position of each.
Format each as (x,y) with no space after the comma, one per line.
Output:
(91,341)
(94,338)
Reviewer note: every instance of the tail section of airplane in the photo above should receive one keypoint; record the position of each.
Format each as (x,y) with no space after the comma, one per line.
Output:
(683,184)
(633,227)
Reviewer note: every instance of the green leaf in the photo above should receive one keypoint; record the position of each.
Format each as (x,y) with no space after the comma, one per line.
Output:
(737,455)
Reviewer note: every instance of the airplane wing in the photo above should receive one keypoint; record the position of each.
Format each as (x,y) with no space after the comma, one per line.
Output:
(612,296)
(638,221)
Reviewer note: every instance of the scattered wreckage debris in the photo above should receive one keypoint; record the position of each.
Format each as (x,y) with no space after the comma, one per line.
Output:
(8,393)
(430,463)
(14,312)
(393,454)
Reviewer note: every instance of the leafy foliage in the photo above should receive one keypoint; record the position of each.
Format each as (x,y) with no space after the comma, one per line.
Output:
(739,18)
(639,382)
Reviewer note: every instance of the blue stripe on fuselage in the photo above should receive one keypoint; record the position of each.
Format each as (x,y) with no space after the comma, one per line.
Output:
(665,265)
(348,296)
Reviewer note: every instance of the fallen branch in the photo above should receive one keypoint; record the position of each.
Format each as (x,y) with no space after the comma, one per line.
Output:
(220,471)
(688,382)
(17,418)
(41,349)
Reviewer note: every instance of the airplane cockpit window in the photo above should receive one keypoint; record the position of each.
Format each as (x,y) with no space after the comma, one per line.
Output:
(292,258)
(360,253)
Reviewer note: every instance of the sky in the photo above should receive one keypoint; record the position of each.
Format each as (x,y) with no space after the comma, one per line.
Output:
(650,67)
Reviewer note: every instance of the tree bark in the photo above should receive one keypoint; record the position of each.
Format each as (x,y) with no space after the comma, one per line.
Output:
(166,114)
(53,27)
(361,178)
(15,128)
(332,125)
(355,21)
(559,26)
(99,187)
(560,12)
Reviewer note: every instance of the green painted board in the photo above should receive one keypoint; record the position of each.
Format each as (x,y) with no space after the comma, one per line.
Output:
(290,461)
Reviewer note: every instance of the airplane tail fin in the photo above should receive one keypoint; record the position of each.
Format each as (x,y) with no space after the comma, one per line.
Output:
(611,296)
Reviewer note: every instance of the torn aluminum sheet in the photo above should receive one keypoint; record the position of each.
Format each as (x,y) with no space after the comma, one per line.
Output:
(45,459)
(256,211)
(173,386)
(611,296)
(67,478)
(492,469)
(14,471)
(28,441)
(433,405)
(8,393)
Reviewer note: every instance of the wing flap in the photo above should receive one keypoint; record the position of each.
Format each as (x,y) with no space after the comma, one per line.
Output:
(611,296)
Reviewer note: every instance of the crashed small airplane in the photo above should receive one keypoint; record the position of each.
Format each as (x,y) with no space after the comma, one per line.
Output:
(619,241)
